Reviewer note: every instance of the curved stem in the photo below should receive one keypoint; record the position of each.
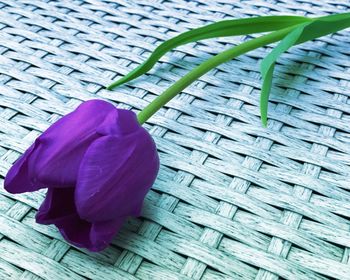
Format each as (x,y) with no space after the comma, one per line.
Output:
(206,66)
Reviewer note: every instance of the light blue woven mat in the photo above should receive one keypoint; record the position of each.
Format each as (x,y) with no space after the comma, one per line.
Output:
(233,200)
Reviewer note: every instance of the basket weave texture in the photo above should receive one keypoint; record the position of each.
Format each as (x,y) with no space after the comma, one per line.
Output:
(233,200)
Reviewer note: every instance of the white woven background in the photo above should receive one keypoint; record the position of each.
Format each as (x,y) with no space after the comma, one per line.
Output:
(233,200)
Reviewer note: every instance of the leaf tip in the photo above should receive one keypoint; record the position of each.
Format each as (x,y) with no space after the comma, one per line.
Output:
(115,84)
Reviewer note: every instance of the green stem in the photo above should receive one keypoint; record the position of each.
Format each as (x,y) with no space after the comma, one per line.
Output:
(206,66)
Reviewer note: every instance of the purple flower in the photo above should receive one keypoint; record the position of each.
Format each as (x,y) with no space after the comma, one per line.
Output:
(98,164)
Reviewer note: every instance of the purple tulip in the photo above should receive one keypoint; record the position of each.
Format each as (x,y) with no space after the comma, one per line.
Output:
(98,163)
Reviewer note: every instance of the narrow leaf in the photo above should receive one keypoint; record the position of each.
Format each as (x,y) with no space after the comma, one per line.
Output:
(304,32)
(219,29)
(323,26)
(267,66)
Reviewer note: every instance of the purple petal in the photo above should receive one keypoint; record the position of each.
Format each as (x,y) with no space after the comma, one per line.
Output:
(94,237)
(58,204)
(120,122)
(102,233)
(115,175)
(64,143)
(58,208)
(19,178)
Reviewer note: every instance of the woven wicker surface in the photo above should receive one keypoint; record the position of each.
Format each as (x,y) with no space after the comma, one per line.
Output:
(233,200)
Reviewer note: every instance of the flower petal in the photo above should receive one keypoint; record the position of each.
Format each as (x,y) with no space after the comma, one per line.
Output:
(58,204)
(102,233)
(75,230)
(19,178)
(58,208)
(92,236)
(119,123)
(115,175)
(64,143)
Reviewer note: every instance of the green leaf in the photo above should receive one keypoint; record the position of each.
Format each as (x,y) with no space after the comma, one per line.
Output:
(323,26)
(318,27)
(219,29)
(268,63)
